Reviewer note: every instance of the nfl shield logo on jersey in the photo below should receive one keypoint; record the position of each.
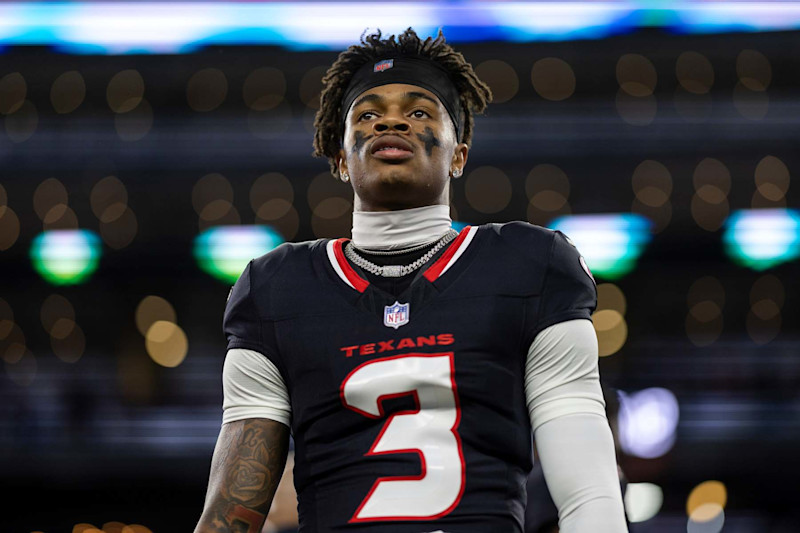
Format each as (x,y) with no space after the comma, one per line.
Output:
(395,315)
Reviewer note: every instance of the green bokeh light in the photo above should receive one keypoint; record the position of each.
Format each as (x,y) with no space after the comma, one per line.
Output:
(66,257)
(762,238)
(224,251)
(611,243)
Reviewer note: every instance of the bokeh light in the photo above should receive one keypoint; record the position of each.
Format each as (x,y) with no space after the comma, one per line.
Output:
(332,218)
(71,346)
(271,196)
(754,70)
(610,243)
(12,342)
(612,331)
(13,90)
(648,420)
(712,183)
(55,309)
(652,183)
(113,527)
(610,296)
(488,189)
(6,319)
(60,217)
(152,309)
(47,195)
(223,252)
(500,77)
(707,492)
(264,88)
(119,232)
(636,110)
(652,188)
(772,178)
(136,528)
(84,527)
(764,320)
(311,86)
(324,186)
(66,257)
(209,188)
(206,90)
(22,123)
(125,91)
(708,518)
(68,92)
(135,124)
(762,238)
(752,105)
(166,343)
(553,79)
(547,188)
(712,172)
(642,501)
(109,199)
(694,72)
(9,227)
(704,321)
(636,75)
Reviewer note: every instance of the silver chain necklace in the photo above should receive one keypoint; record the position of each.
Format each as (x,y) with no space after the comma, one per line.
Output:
(397,271)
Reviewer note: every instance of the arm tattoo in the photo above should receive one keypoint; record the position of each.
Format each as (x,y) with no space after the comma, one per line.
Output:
(247,466)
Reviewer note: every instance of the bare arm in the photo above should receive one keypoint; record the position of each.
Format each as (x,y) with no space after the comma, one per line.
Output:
(248,463)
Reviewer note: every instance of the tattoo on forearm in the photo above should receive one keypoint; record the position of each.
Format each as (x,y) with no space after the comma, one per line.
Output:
(248,464)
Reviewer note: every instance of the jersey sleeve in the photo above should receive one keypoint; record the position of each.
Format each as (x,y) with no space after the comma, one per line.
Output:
(242,323)
(569,290)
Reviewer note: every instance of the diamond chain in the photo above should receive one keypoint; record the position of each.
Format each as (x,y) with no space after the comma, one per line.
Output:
(397,271)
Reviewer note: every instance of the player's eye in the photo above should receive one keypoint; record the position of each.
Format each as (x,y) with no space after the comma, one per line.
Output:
(366,115)
(419,113)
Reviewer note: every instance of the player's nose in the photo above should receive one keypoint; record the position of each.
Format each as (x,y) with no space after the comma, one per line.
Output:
(391,122)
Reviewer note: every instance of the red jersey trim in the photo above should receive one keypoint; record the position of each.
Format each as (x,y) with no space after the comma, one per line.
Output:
(343,268)
(451,254)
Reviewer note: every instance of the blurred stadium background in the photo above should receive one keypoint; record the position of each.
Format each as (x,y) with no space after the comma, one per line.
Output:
(149,150)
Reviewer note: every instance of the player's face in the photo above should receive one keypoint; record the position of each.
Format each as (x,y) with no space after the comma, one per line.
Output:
(399,147)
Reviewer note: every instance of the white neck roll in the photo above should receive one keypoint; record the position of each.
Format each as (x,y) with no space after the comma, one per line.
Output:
(387,230)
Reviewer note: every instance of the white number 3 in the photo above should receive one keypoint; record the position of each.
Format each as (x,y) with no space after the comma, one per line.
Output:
(429,431)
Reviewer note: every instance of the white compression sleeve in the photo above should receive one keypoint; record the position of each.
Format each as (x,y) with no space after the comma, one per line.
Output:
(577,455)
(573,438)
(253,387)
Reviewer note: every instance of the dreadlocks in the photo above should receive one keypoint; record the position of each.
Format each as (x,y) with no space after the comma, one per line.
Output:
(475,94)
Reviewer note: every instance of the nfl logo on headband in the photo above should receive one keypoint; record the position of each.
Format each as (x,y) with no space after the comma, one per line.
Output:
(380,66)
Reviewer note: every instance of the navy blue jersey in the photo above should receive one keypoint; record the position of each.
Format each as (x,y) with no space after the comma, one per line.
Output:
(409,411)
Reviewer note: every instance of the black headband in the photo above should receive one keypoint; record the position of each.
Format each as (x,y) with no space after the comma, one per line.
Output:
(413,71)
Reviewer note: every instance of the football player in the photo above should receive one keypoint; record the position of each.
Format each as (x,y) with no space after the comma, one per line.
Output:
(412,363)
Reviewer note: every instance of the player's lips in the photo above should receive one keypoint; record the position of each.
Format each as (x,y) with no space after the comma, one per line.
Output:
(392,147)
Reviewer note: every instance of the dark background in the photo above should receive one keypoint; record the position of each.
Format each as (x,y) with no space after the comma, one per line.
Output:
(114,436)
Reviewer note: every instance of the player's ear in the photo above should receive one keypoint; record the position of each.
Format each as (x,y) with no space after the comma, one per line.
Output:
(459,160)
(341,164)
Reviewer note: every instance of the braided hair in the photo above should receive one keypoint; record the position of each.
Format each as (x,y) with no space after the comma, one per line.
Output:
(475,94)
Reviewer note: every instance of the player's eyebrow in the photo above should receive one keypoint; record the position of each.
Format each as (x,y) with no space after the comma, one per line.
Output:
(417,95)
(368,98)
(378,99)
